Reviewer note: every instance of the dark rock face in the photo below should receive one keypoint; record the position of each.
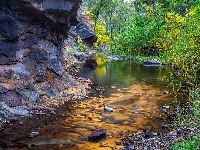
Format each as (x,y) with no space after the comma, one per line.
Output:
(12,98)
(31,40)
(85,33)
(91,63)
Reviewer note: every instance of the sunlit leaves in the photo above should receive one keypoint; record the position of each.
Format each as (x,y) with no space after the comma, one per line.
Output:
(179,39)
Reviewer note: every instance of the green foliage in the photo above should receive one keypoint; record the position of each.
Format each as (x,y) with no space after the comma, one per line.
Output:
(133,27)
(179,6)
(73,45)
(133,37)
(113,13)
(103,36)
(81,46)
(179,41)
(190,144)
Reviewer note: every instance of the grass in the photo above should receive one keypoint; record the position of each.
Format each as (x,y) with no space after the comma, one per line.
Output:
(193,143)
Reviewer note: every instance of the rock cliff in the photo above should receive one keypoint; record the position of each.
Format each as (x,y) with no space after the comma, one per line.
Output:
(32,34)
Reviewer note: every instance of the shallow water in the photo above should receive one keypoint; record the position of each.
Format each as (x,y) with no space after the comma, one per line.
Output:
(134,92)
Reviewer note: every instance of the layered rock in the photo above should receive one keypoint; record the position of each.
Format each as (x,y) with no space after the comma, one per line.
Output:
(32,34)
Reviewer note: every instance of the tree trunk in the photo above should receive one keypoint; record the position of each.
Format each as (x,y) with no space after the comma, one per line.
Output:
(154,7)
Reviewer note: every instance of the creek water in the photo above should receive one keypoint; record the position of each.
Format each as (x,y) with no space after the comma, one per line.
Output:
(135,92)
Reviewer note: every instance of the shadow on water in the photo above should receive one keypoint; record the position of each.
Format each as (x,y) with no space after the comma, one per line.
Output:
(134,92)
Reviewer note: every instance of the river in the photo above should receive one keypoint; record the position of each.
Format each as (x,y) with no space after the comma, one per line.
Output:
(136,93)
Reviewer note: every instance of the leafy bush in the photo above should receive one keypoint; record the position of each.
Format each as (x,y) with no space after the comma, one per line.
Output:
(103,36)
(179,40)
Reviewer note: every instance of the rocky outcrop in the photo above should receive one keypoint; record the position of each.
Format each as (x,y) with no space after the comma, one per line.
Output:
(85,33)
(32,34)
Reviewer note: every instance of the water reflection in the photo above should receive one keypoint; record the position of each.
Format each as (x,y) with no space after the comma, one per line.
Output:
(121,74)
(135,94)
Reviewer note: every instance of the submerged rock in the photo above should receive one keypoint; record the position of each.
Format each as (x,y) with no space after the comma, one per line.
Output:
(108,109)
(152,62)
(166,92)
(165,106)
(33,134)
(97,135)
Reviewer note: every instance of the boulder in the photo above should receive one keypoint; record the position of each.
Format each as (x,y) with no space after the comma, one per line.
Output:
(97,135)
(152,62)
(91,63)
(86,33)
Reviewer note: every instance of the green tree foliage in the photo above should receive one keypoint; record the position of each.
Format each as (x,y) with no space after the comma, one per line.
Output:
(179,41)
(134,29)
(113,13)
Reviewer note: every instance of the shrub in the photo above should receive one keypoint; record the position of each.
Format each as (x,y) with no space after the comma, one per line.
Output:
(179,40)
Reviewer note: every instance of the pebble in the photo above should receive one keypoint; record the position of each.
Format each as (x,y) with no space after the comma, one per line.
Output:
(33,134)
(166,92)
(118,143)
(166,106)
(1,129)
(108,109)
(149,134)
(127,148)
(21,123)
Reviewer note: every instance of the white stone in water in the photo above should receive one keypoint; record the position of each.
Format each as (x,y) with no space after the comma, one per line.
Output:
(166,106)
(108,109)
(136,111)
(33,134)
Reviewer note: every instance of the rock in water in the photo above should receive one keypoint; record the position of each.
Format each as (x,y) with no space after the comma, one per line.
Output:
(97,135)
(152,62)
(108,109)
(33,134)
(91,63)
